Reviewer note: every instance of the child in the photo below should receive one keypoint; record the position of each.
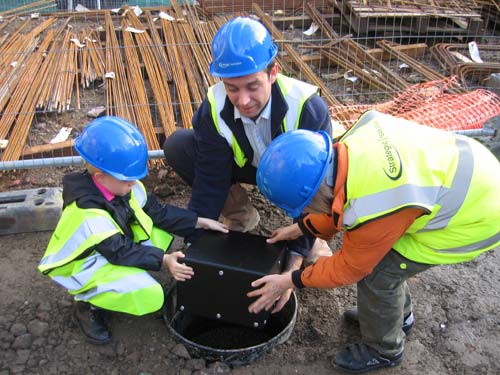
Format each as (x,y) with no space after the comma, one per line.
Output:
(406,196)
(112,231)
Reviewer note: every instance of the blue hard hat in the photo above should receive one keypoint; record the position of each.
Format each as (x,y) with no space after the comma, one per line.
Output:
(115,147)
(242,46)
(293,167)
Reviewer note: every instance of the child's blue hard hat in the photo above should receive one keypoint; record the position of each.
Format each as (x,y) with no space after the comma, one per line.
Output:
(293,167)
(115,147)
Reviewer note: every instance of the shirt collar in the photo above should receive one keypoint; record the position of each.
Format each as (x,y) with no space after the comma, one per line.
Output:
(265,114)
(107,194)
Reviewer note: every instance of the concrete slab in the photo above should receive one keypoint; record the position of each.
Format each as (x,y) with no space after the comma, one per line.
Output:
(30,210)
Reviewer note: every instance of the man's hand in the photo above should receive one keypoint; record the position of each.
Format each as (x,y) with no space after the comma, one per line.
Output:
(274,292)
(179,271)
(290,232)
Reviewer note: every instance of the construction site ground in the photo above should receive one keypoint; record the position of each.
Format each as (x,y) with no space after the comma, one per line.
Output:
(456,308)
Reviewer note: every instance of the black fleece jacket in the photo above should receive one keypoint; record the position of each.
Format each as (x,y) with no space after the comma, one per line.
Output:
(214,158)
(120,249)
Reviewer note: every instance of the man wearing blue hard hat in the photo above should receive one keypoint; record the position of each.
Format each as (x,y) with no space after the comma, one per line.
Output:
(242,114)
(112,232)
(406,196)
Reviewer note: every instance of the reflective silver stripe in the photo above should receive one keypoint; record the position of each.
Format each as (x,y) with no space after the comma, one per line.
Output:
(452,199)
(389,199)
(219,95)
(295,94)
(79,236)
(78,280)
(139,194)
(365,119)
(147,243)
(125,285)
(472,247)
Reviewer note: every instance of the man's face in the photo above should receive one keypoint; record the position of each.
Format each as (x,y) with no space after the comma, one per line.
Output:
(251,93)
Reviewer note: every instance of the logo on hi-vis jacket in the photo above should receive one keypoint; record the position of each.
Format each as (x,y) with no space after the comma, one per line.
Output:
(394,165)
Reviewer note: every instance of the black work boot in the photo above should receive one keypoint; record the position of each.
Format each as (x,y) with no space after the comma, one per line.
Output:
(91,323)
(351,316)
(360,358)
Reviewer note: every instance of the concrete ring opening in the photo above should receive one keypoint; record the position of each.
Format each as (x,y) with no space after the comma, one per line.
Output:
(232,344)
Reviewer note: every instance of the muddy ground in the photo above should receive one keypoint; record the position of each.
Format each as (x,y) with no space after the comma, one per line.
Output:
(457,308)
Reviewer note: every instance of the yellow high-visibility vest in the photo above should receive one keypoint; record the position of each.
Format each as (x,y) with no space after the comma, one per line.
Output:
(453,178)
(295,93)
(79,230)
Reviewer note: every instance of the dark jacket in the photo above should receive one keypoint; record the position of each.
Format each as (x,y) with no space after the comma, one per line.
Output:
(215,161)
(120,249)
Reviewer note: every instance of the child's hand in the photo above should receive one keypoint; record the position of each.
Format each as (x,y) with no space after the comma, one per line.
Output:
(290,232)
(179,271)
(206,223)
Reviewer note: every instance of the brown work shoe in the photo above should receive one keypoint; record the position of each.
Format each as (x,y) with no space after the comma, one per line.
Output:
(238,213)
(243,224)
(320,248)
(91,322)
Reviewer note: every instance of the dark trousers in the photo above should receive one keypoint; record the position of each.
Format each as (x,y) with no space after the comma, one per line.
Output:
(180,152)
(384,299)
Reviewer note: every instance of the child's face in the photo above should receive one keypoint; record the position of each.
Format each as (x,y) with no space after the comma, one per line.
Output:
(115,186)
(322,201)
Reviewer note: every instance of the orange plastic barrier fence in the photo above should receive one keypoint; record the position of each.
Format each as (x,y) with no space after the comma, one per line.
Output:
(429,104)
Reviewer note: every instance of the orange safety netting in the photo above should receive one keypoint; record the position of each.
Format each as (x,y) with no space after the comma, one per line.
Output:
(428,104)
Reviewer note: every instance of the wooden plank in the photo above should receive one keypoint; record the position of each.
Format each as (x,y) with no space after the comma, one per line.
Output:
(416,50)
(364,19)
(413,50)
(224,6)
(50,150)
(304,21)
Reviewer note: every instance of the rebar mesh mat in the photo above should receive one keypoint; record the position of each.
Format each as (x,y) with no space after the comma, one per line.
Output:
(427,6)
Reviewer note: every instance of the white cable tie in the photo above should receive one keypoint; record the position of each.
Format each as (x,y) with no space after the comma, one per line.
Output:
(166,16)
(81,8)
(78,43)
(350,77)
(137,10)
(474,53)
(134,30)
(312,29)
(62,135)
